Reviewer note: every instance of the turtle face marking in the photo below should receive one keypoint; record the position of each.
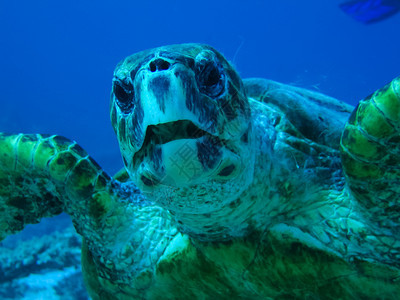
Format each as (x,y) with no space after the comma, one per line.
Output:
(180,113)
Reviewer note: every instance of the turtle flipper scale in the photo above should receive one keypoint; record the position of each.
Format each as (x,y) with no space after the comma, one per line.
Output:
(371,153)
(41,176)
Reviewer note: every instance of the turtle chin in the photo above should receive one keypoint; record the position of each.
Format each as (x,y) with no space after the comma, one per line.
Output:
(186,162)
(187,169)
(191,178)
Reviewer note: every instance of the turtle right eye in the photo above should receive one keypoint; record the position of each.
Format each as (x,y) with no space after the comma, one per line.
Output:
(209,74)
(123,93)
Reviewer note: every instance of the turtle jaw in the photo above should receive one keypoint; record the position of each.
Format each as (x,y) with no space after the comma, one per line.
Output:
(180,153)
(166,132)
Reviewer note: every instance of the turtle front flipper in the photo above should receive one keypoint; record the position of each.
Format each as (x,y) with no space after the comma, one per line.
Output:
(370,147)
(41,176)
(124,234)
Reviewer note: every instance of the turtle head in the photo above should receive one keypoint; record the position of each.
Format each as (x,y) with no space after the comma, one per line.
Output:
(183,124)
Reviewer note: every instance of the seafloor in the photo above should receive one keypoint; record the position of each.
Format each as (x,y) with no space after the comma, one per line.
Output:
(45,267)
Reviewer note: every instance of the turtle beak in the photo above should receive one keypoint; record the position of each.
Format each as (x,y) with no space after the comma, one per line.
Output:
(165,91)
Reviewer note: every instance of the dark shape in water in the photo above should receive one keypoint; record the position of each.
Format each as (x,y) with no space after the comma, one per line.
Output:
(370,11)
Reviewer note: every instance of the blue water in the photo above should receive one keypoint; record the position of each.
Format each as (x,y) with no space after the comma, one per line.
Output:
(57,57)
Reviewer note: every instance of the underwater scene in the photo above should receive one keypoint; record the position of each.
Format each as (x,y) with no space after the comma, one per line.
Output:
(248,150)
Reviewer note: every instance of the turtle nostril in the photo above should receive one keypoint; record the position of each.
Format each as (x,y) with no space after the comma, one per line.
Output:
(153,67)
(164,65)
(159,65)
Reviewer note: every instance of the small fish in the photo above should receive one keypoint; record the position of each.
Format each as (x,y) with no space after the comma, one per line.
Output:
(370,11)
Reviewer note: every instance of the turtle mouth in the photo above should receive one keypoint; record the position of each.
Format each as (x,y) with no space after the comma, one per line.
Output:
(203,149)
(166,132)
(171,131)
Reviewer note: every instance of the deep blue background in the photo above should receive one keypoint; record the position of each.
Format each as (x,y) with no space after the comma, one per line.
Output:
(57,57)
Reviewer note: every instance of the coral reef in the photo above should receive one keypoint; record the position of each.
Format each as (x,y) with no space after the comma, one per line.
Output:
(45,267)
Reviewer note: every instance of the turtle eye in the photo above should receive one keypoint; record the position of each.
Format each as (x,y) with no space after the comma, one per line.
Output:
(210,76)
(123,92)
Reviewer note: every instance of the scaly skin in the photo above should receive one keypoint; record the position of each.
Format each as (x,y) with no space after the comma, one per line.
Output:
(293,226)
(371,154)
(41,176)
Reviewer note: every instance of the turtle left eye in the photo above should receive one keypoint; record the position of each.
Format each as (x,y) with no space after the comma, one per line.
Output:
(210,78)
(123,93)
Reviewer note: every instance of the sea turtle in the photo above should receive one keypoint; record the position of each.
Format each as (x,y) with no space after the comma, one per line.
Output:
(233,188)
